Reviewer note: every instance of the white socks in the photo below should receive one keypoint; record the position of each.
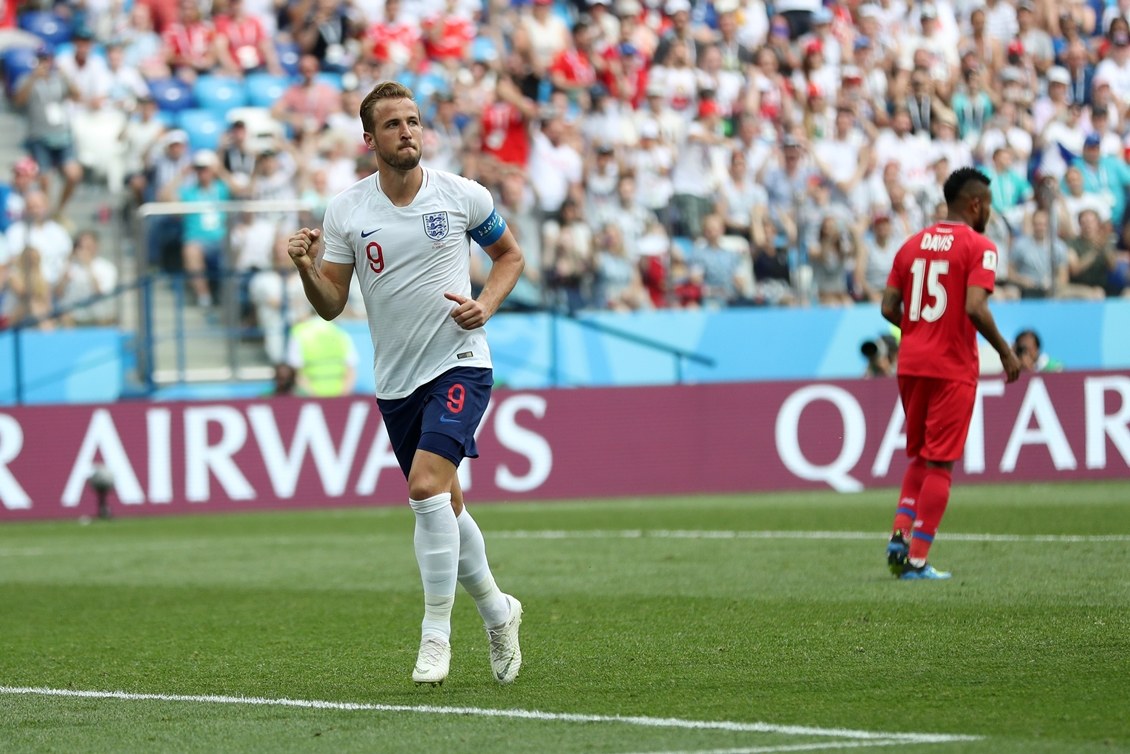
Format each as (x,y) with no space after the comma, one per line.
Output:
(437,553)
(475,575)
(450,548)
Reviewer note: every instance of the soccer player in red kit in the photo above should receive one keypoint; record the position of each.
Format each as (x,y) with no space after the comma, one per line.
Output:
(938,293)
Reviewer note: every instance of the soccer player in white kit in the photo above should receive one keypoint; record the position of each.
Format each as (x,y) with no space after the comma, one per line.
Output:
(406,232)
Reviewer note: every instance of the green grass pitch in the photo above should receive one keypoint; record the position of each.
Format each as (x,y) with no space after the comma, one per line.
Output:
(712,624)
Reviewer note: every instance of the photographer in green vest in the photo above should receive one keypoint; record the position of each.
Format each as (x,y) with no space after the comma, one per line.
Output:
(323,357)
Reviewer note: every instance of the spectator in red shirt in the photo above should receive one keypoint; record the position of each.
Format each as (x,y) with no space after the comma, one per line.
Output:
(622,67)
(190,47)
(938,293)
(504,129)
(448,34)
(242,44)
(392,39)
(306,104)
(163,13)
(571,70)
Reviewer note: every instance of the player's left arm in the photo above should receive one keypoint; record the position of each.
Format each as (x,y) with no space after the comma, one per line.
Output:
(979,286)
(977,309)
(507,263)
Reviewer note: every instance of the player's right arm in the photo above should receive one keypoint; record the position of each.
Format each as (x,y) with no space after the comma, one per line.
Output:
(326,283)
(892,305)
(977,309)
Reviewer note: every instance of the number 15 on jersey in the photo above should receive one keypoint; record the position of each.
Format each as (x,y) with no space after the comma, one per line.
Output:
(927,274)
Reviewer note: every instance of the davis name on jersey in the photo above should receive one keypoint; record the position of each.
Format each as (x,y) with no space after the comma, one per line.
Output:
(936,242)
(405,259)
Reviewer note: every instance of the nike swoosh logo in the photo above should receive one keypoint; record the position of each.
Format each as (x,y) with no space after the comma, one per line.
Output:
(371,232)
(444,419)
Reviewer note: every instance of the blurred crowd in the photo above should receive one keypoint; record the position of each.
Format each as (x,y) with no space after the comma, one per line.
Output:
(646,153)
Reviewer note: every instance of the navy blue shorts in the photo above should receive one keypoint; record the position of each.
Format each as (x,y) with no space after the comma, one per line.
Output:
(440,416)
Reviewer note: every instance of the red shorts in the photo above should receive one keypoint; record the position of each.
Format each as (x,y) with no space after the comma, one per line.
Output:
(937,416)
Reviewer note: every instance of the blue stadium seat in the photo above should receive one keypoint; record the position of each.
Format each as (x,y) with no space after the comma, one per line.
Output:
(263,89)
(167,118)
(49,27)
(289,54)
(332,78)
(429,85)
(219,93)
(18,62)
(68,48)
(171,94)
(203,126)
(483,50)
(684,244)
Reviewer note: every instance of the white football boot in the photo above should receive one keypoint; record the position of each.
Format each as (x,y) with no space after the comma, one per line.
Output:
(505,653)
(433,661)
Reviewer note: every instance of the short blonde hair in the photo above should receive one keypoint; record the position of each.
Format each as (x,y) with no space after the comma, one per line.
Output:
(383,90)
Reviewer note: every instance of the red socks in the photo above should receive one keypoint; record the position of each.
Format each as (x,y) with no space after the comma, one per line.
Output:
(932,501)
(908,496)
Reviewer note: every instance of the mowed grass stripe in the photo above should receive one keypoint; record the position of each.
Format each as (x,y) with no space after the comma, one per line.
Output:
(161,545)
(516,714)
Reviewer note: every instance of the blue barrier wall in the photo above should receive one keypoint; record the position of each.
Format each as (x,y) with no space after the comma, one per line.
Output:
(62,366)
(759,344)
(540,350)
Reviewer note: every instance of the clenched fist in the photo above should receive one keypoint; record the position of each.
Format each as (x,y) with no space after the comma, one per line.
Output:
(302,248)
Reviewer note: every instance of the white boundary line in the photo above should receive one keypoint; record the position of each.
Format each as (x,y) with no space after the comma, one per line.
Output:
(826,746)
(856,737)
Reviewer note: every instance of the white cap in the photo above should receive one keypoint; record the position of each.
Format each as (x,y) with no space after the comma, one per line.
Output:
(674,6)
(1057,74)
(205,158)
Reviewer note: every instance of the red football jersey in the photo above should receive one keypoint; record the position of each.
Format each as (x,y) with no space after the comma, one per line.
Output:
(448,37)
(188,44)
(505,134)
(933,269)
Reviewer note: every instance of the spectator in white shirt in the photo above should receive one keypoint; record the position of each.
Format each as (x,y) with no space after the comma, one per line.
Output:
(911,151)
(844,156)
(695,177)
(557,165)
(39,231)
(1115,68)
(86,276)
(279,299)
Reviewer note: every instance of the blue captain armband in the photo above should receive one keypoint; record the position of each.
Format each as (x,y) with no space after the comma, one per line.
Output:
(490,231)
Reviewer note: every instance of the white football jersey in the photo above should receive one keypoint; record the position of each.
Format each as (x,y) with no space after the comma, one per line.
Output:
(406,258)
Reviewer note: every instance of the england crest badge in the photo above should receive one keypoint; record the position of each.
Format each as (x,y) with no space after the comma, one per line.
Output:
(436,225)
